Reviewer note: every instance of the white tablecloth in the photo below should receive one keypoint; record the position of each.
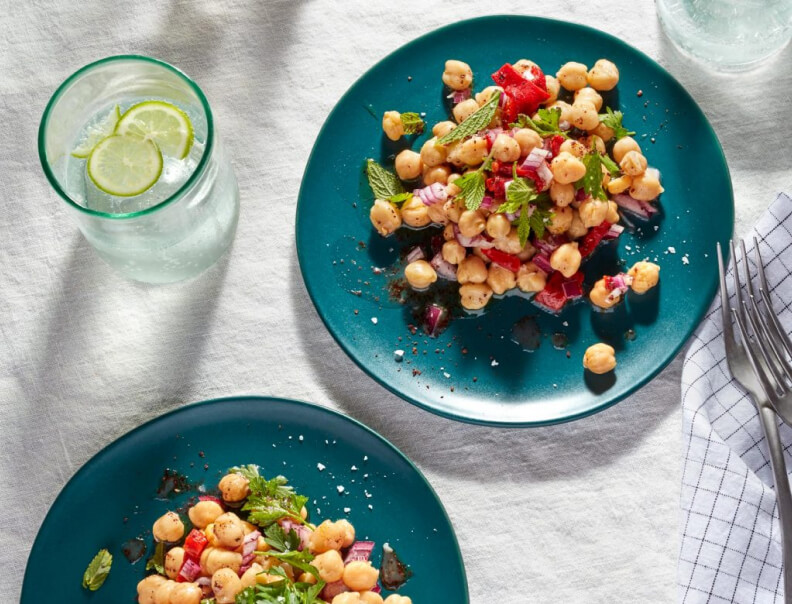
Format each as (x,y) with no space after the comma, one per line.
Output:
(85,356)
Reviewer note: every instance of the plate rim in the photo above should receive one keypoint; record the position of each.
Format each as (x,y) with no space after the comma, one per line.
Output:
(87,466)
(666,359)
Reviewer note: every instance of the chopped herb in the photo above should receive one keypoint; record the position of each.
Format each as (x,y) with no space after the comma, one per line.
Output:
(97,570)
(384,183)
(297,559)
(283,591)
(280,539)
(545,124)
(400,198)
(613,120)
(270,500)
(157,561)
(472,188)
(610,165)
(522,196)
(475,122)
(591,182)
(412,123)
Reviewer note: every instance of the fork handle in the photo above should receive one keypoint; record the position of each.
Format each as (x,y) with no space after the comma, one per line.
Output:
(783,494)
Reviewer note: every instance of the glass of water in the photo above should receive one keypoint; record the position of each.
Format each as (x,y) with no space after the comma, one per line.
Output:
(730,35)
(129,143)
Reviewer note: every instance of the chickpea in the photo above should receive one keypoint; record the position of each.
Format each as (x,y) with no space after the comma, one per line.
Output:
(590,95)
(168,528)
(528,140)
(408,164)
(386,218)
(633,163)
(622,146)
(433,154)
(248,578)
(620,185)
(475,296)
(415,213)
(472,270)
(510,243)
(603,76)
(593,212)
(437,214)
(360,576)
(553,88)
(397,599)
(148,587)
(573,147)
(527,252)
(229,530)
(330,566)
(214,558)
(645,276)
(572,76)
(476,251)
(307,578)
(474,150)
(370,597)
(226,585)
(577,229)
(472,223)
(599,358)
(453,252)
(437,174)
(523,65)
(186,593)
(567,168)
(448,233)
(451,187)
(457,75)
(163,593)
(646,186)
(566,110)
(349,532)
(584,115)
(500,279)
(530,278)
(348,597)
(419,275)
(454,156)
(173,562)
(505,148)
(562,194)
(234,487)
(498,226)
(561,220)
(440,129)
(392,125)
(604,132)
(453,209)
(464,110)
(613,212)
(592,141)
(566,259)
(600,295)
(486,94)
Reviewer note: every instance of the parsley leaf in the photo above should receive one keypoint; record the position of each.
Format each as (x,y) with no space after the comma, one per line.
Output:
(97,570)
(472,189)
(384,183)
(157,561)
(412,123)
(613,120)
(610,165)
(592,179)
(280,540)
(284,591)
(271,500)
(475,122)
(298,559)
(546,124)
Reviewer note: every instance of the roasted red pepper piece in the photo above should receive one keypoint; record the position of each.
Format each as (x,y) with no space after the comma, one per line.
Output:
(194,545)
(593,238)
(539,78)
(497,186)
(552,296)
(521,95)
(503,169)
(555,145)
(502,259)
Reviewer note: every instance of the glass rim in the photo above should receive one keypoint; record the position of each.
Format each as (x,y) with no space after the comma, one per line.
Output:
(199,169)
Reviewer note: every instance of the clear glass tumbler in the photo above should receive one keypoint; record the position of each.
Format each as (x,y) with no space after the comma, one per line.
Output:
(729,35)
(181,234)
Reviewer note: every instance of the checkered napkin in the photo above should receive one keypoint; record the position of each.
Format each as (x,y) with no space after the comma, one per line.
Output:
(730,539)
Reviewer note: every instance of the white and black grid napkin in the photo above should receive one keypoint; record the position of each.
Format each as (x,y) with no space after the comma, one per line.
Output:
(730,541)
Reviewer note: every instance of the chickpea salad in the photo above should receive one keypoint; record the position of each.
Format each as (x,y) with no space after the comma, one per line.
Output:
(255,545)
(517,190)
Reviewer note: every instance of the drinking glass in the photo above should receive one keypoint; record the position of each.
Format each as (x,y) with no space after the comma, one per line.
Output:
(165,239)
(729,35)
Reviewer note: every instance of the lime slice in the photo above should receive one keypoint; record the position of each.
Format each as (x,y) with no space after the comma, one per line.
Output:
(97,132)
(125,165)
(161,122)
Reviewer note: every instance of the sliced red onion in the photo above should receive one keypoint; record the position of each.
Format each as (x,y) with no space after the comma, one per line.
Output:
(544,172)
(477,241)
(249,543)
(460,95)
(433,317)
(635,206)
(535,158)
(444,269)
(512,216)
(415,254)
(564,125)
(190,570)
(217,500)
(492,133)
(571,290)
(359,552)
(548,245)
(201,581)
(542,262)
(580,194)
(376,589)
(303,532)
(432,194)
(487,203)
(331,590)
(614,232)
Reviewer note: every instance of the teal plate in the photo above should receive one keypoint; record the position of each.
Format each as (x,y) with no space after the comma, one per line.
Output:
(474,371)
(112,498)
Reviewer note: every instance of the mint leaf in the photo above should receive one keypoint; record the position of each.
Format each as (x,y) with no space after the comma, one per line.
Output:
(384,183)
(472,189)
(613,120)
(591,182)
(520,192)
(157,561)
(412,123)
(546,124)
(97,571)
(524,225)
(539,220)
(475,122)
(400,198)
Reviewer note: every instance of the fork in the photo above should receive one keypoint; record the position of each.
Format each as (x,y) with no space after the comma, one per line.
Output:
(759,364)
